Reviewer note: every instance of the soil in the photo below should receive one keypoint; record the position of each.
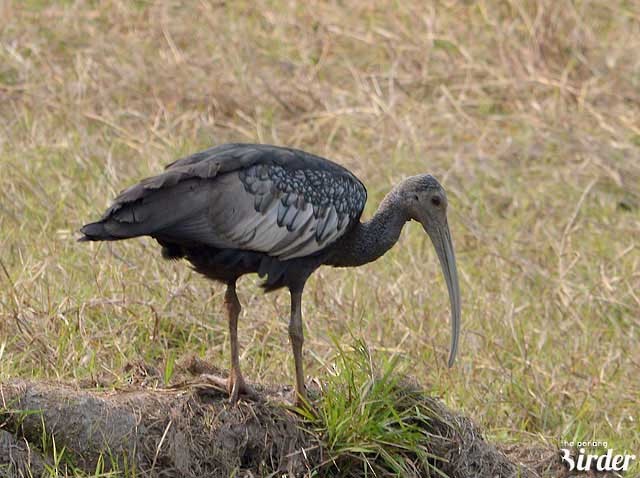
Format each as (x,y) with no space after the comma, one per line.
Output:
(190,430)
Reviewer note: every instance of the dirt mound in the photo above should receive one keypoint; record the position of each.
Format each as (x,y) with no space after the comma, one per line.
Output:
(190,430)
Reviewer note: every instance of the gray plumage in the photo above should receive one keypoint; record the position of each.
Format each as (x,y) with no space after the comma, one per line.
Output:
(279,212)
(281,202)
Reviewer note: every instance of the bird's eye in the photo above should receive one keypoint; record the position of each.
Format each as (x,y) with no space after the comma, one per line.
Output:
(436,201)
(415,197)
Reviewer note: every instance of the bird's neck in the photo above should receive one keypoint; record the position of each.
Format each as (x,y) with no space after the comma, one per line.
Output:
(368,241)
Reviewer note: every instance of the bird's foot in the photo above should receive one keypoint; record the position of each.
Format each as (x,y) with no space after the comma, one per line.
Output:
(301,401)
(234,385)
(215,380)
(304,398)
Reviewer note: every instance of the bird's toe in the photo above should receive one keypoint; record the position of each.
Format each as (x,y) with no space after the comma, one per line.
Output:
(301,400)
(235,387)
(214,381)
(239,388)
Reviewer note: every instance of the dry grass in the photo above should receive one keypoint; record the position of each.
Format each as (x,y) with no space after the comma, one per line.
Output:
(528,111)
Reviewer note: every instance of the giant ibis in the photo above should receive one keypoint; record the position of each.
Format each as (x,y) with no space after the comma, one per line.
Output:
(280,212)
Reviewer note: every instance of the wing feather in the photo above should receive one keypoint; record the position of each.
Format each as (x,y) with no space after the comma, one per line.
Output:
(247,212)
(283,202)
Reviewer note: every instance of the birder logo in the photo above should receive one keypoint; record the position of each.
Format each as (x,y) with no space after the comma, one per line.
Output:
(596,461)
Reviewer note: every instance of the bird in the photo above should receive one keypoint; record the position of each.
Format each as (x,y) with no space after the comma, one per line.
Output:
(280,212)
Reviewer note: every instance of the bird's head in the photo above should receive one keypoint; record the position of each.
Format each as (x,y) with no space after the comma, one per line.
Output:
(425,201)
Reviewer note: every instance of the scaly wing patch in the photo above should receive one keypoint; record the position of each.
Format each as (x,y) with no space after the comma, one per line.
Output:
(285,214)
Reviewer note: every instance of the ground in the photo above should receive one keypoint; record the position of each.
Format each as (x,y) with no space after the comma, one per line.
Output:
(528,112)
(188,429)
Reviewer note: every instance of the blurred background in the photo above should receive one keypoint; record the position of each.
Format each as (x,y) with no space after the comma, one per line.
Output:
(527,111)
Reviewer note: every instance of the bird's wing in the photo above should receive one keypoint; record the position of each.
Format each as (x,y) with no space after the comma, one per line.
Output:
(279,211)
(279,201)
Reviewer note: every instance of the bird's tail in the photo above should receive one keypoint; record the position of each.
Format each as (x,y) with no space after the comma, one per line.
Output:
(96,231)
(146,209)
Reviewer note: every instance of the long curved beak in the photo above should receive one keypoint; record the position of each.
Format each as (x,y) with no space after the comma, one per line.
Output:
(441,239)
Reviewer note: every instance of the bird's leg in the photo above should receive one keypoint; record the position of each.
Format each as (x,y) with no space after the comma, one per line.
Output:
(297,339)
(235,384)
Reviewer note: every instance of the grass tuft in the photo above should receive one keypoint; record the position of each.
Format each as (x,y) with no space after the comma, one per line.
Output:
(369,424)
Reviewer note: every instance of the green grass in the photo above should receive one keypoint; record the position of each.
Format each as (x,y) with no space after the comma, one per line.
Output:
(368,423)
(527,111)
